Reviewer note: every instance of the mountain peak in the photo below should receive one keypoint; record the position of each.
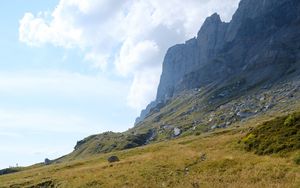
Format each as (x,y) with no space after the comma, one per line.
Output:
(215,17)
(210,23)
(250,49)
(211,32)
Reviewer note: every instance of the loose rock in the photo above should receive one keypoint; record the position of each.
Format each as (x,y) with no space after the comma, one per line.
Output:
(47,161)
(113,159)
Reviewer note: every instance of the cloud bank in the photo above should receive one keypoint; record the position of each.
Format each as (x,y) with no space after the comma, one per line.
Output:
(128,37)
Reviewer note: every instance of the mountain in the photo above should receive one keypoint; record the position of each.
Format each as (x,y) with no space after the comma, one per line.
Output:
(227,114)
(246,156)
(230,72)
(260,45)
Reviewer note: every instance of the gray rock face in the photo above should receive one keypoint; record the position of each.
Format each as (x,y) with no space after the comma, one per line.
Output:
(260,45)
(154,106)
(194,54)
(144,113)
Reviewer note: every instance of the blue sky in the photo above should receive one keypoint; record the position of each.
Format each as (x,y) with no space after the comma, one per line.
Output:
(33,96)
(71,68)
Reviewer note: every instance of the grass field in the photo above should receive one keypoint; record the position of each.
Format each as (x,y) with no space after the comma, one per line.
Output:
(215,159)
(256,152)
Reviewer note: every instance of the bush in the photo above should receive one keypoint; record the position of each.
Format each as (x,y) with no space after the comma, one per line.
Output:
(279,135)
(297,159)
(290,120)
(10,170)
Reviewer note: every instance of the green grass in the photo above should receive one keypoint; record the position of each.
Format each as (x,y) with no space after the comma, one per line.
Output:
(173,163)
(297,158)
(279,135)
(106,142)
(177,162)
(194,113)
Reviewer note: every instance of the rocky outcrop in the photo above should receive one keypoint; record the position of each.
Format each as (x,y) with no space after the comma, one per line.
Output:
(194,54)
(153,106)
(260,45)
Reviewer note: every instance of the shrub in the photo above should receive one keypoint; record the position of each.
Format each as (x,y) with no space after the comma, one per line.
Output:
(290,120)
(279,135)
(297,159)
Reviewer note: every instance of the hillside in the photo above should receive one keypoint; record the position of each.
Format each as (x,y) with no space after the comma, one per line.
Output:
(226,114)
(195,112)
(230,72)
(215,159)
(263,76)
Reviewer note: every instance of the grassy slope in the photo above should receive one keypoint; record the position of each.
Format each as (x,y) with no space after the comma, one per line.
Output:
(194,112)
(174,163)
(279,135)
(169,162)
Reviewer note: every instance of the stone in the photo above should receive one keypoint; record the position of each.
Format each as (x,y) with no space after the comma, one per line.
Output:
(47,161)
(222,126)
(113,159)
(244,115)
(203,157)
(214,127)
(177,131)
(167,127)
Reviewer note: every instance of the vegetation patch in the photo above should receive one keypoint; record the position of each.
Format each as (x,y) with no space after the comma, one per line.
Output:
(10,170)
(108,142)
(205,161)
(48,183)
(280,135)
(297,159)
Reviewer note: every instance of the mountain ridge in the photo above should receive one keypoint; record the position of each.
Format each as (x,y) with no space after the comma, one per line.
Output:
(214,81)
(227,114)
(252,41)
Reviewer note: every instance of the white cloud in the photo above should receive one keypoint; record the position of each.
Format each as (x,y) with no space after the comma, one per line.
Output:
(132,54)
(132,35)
(97,60)
(144,83)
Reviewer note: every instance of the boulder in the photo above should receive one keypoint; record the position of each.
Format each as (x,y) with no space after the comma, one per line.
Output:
(244,114)
(203,157)
(113,159)
(177,131)
(47,161)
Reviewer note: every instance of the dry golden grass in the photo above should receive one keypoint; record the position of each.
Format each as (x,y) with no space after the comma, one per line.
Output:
(174,163)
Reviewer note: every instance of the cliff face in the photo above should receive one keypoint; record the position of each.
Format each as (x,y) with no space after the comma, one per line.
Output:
(261,44)
(194,54)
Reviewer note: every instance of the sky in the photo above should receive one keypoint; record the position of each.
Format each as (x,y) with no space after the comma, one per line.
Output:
(72,68)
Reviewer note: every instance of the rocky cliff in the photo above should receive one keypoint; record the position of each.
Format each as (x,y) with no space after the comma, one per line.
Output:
(261,44)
